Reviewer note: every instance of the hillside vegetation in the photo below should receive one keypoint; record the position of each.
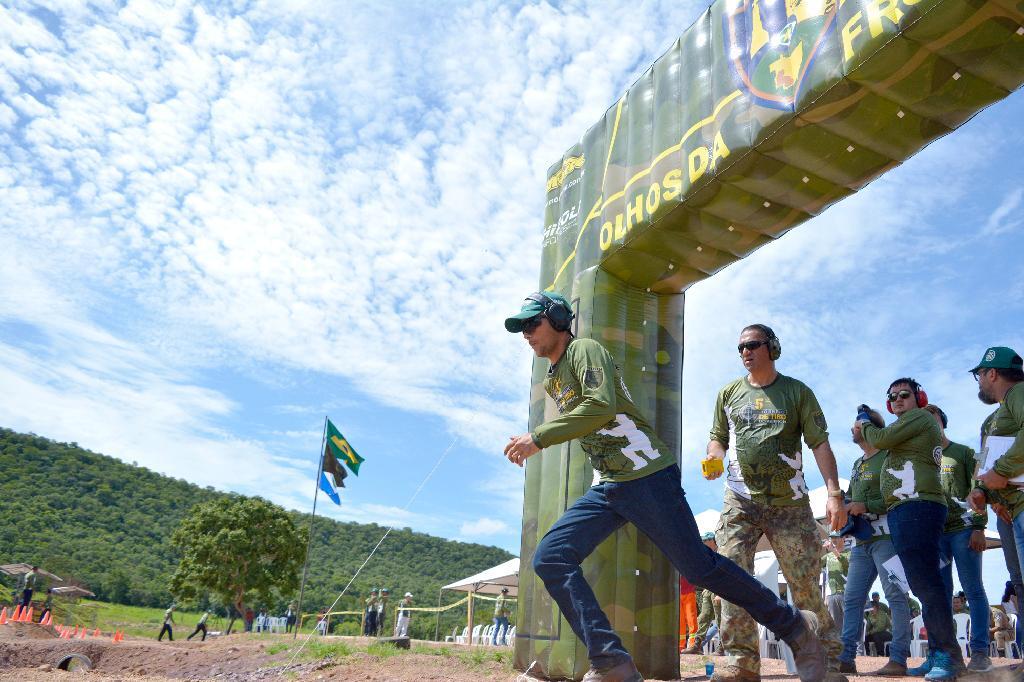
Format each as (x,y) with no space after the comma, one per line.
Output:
(100,522)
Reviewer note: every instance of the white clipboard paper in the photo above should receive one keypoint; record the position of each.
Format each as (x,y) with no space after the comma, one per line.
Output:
(996,447)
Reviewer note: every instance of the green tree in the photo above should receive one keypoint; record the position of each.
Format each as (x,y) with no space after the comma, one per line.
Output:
(237,548)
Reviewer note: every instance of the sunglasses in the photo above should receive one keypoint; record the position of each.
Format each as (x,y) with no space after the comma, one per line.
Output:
(532,323)
(750,345)
(904,394)
(978,372)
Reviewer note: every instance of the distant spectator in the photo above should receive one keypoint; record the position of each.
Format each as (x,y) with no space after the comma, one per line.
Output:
(879,630)
(289,619)
(370,615)
(250,616)
(28,583)
(402,622)
(876,601)
(321,622)
(915,606)
(48,605)
(200,627)
(960,603)
(999,629)
(501,614)
(261,621)
(382,612)
(168,622)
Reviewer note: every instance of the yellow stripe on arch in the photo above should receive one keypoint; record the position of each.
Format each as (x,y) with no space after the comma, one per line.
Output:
(601,204)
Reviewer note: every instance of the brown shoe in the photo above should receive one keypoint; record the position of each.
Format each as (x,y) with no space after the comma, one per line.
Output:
(892,669)
(734,673)
(695,646)
(623,672)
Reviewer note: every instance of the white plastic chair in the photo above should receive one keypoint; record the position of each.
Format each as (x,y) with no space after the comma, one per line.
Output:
(962,620)
(918,646)
(461,639)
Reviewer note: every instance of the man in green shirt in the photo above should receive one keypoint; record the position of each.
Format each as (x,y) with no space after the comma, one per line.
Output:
(370,614)
(878,630)
(639,484)
(916,513)
(963,539)
(835,564)
(759,420)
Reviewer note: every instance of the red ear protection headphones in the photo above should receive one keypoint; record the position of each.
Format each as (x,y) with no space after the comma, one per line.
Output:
(919,394)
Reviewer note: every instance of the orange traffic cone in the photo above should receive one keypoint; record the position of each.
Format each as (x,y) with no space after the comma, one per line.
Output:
(17,614)
(119,635)
(81,635)
(3,616)
(96,633)
(48,619)
(28,616)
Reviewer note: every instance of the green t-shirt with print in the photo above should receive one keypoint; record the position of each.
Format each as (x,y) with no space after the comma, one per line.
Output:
(764,426)
(501,607)
(595,408)
(865,487)
(957,476)
(911,472)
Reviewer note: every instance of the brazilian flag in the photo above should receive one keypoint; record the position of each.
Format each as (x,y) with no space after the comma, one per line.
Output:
(339,448)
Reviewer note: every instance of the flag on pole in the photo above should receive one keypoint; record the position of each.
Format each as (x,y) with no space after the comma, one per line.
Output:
(332,466)
(340,448)
(325,485)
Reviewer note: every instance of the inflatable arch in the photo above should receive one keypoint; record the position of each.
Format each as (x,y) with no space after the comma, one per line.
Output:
(760,116)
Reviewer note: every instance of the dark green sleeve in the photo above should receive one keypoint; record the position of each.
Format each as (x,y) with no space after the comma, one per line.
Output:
(598,405)
(720,425)
(812,419)
(1012,462)
(894,434)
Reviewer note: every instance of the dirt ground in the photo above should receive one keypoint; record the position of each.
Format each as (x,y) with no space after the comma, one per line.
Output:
(32,656)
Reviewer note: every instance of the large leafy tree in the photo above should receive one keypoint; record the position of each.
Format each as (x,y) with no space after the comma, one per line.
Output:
(237,548)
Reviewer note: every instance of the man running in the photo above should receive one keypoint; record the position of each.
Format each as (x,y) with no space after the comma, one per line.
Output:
(200,627)
(639,483)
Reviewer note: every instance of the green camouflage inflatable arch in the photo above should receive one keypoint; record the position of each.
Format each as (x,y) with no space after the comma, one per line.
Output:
(760,116)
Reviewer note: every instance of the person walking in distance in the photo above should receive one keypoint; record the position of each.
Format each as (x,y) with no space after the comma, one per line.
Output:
(168,622)
(639,483)
(759,421)
(200,627)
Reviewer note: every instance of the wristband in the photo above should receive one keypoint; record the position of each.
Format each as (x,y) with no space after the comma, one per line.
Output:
(835,493)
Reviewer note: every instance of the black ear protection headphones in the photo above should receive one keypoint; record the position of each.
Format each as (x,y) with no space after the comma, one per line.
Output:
(774,345)
(557,313)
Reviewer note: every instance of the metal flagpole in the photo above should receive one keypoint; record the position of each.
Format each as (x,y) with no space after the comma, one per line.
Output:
(309,540)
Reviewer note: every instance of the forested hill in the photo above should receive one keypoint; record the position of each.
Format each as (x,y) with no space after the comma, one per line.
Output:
(107,524)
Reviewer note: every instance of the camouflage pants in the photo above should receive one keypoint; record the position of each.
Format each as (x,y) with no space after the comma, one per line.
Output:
(705,613)
(793,535)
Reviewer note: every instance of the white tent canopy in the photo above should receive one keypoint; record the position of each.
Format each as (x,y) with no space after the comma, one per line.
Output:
(492,580)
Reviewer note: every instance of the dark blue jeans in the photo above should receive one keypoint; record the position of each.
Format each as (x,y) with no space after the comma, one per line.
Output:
(657,506)
(915,529)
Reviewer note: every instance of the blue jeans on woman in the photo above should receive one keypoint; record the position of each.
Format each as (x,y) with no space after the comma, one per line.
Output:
(955,546)
(865,565)
(657,506)
(916,529)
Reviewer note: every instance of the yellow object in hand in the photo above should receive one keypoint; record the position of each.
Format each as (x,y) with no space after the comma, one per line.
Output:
(711,466)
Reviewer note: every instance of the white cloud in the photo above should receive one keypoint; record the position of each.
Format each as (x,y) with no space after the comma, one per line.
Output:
(1006,216)
(483,527)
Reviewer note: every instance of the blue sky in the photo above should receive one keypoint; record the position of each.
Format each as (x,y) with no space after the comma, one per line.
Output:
(222,221)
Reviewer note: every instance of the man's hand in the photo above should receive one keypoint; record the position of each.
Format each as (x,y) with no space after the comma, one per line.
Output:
(1002,512)
(715,450)
(835,512)
(520,447)
(716,472)
(856,508)
(976,500)
(993,481)
(977,542)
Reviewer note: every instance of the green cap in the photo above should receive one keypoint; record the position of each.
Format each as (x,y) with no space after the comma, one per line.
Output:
(1000,357)
(707,536)
(532,309)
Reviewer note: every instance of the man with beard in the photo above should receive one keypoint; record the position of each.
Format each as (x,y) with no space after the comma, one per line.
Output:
(1000,375)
